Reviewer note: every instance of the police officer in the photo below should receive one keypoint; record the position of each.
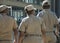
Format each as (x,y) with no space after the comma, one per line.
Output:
(50,20)
(31,28)
(7,26)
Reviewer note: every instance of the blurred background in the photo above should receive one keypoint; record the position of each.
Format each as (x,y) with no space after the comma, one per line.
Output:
(16,7)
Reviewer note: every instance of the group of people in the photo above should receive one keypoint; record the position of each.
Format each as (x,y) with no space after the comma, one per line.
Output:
(32,29)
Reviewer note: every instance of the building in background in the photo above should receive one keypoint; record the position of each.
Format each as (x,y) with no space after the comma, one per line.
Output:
(17,7)
(55,7)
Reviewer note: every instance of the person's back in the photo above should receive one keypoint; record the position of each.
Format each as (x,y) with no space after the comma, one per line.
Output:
(31,27)
(34,24)
(6,25)
(50,20)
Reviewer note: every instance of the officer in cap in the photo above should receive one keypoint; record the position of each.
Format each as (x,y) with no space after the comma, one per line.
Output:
(7,26)
(31,28)
(50,20)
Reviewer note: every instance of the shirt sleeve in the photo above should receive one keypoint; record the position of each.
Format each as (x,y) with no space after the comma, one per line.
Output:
(43,26)
(55,19)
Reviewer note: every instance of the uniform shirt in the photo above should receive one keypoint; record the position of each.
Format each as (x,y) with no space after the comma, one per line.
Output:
(49,18)
(32,25)
(7,24)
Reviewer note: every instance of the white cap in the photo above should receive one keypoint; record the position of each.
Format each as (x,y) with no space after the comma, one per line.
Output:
(3,7)
(29,7)
(45,2)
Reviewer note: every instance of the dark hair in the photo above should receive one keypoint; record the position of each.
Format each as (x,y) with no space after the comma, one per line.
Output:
(29,12)
(46,6)
(4,10)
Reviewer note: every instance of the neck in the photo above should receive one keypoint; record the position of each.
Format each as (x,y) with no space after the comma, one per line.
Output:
(31,15)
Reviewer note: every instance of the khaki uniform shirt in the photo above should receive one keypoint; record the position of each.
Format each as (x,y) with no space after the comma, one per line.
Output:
(50,20)
(7,24)
(32,25)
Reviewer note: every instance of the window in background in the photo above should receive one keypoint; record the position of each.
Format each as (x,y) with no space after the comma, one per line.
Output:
(23,0)
(26,1)
(15,15)
(38,2)
(30,1)
(18,15)
(35,1)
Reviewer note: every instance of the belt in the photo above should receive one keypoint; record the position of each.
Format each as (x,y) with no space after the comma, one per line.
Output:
(49,32)
(33,35)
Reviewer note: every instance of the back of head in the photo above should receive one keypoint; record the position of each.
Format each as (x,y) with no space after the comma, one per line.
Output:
(45,4)
(4,9)
(29,9)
